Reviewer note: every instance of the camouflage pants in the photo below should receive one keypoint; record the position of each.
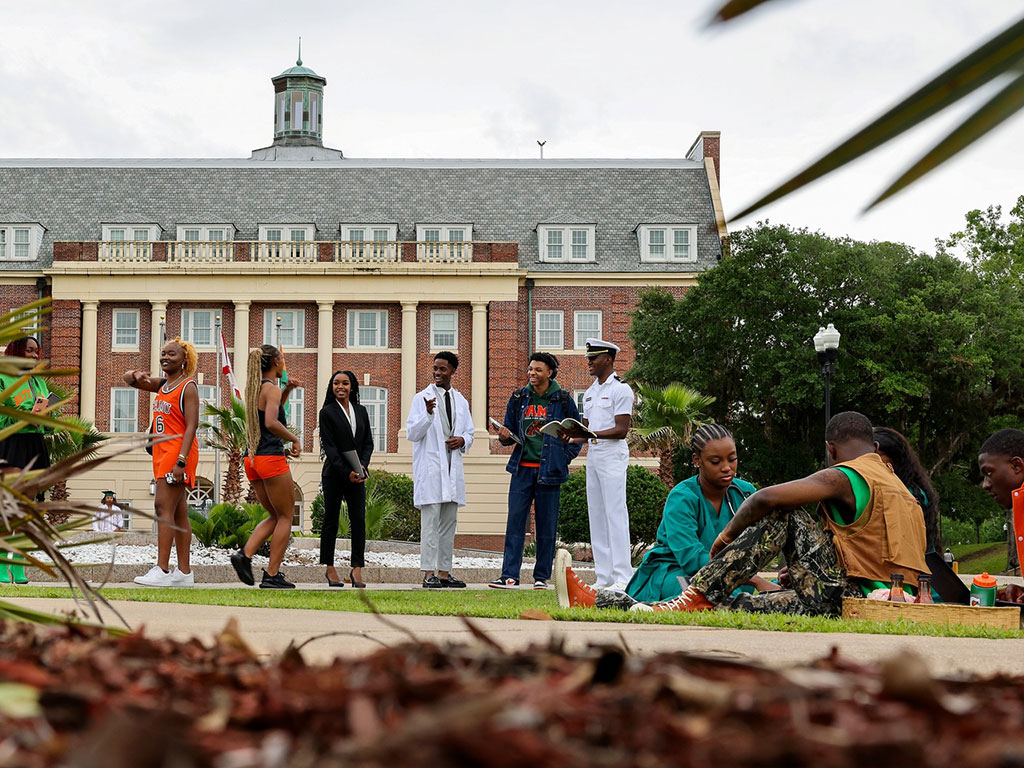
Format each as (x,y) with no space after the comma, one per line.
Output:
(819,582)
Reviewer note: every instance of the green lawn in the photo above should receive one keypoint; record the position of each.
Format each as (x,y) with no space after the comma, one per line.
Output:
(504,604)
(988,557)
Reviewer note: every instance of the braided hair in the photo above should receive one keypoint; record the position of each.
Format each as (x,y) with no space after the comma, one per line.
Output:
(705,434)
(261,360)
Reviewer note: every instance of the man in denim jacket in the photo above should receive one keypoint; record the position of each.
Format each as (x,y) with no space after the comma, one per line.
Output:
(539,465)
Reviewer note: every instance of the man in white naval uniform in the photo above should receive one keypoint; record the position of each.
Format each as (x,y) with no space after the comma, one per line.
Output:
(607,412)
(440,429)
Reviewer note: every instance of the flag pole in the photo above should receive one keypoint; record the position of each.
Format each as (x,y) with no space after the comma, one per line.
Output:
(217,398)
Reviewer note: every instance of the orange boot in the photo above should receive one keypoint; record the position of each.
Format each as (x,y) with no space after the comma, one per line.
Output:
(690,600)
(569,587)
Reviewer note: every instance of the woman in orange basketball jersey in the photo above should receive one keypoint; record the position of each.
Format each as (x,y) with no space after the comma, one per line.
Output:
(266,466)
(175,412)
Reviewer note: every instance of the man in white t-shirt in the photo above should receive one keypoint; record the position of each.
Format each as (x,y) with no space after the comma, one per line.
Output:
(109,519)
(607,412)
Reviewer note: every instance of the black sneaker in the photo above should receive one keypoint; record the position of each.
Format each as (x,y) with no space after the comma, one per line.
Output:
(450,582)
(243,567)
(613,598)
(275,582)
(503,583)
(432,582)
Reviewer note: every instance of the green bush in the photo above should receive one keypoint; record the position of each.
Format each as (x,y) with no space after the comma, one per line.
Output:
(228,526)
(645,498)
(316,515)
(397,488)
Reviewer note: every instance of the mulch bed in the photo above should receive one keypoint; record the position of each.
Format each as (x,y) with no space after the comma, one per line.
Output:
(77,697)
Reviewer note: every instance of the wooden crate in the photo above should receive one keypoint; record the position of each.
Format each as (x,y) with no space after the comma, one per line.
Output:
(937,613)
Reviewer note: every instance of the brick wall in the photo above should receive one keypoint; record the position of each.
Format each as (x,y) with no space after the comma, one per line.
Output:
(111,364)
(65,342)
(463,376)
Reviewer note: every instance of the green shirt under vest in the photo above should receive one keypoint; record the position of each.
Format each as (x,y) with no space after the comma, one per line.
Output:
(22,398)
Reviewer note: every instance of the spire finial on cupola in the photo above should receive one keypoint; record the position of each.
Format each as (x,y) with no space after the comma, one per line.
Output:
(298,61)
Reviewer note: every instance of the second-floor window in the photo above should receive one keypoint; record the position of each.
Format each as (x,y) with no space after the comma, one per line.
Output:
(550,327)
(126,329)
(197,326)
(292,329)
(586,325)
(444,329)
(368,328)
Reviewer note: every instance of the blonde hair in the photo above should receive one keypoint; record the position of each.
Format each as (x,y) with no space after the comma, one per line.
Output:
(191,357)
(260,361)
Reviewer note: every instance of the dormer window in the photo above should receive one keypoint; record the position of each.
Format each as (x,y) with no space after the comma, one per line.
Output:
(566,242)
(206,233)
(20,242)
(667,242)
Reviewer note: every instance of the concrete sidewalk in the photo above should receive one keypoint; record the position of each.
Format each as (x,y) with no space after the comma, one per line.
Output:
(268,631)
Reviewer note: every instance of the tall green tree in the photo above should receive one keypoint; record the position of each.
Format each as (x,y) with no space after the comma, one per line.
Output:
(930,346)
(665,421)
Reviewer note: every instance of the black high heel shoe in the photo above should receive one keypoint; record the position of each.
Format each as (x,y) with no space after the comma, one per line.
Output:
(356,584)
(330,583)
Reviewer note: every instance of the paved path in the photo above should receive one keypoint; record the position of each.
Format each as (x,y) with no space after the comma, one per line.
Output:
(268,631)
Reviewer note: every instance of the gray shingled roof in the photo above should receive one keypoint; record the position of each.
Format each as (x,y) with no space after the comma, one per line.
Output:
(505,200)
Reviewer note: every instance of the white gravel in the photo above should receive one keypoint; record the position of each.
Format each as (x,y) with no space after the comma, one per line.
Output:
(125,554)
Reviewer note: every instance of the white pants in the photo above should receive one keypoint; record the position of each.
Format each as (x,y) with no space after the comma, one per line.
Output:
(606,507)
(437,535)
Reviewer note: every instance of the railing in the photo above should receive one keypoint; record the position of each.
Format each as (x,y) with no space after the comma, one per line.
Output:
(278,252)
(372,252)
(434,252)
(201,252)
(125,251)
(304,252)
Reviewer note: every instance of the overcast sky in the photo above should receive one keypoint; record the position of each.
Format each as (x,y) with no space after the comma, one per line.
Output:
(191,78)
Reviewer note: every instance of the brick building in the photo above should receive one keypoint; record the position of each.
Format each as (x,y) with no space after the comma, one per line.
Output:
(360,264)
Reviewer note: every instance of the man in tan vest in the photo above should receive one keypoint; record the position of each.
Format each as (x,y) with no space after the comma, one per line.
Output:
(873,528)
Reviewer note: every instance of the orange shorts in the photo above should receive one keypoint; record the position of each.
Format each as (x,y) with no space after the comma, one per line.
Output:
(264,467)
(165,463)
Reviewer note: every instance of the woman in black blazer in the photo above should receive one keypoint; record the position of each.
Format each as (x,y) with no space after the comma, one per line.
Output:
(344,426)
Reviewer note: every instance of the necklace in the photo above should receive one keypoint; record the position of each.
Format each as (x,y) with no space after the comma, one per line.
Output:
(170,384)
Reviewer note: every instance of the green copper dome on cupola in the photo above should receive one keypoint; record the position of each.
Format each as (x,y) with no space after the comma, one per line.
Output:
(298,106)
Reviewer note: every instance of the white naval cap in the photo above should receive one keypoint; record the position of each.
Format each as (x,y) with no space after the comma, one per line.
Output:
(597,347)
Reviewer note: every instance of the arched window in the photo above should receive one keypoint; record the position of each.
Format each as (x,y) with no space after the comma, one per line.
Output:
(298,510)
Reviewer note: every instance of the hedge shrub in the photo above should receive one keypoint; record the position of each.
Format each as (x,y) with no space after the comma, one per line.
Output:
(645,498)
(401,520)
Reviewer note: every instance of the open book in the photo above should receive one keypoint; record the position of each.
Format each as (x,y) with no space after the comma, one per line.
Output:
(573,427)
(498,425)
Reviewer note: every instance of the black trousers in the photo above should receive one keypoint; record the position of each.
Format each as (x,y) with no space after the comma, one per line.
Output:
(337,487)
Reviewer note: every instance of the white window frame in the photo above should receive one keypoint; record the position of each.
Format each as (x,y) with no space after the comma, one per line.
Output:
(643,240)
(298,317)
(133,395)
(375,401)
(561,329)
(454,346)
(579,343)
(113,330)
(9,241)
(577,395)
(297,403)
(381,331)
(345,232)
(204,232)
(189,335)
(152,232)
(308,230)
(567,253)
(207,394)
(445,231)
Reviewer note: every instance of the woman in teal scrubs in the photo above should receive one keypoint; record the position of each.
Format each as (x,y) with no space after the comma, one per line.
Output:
(696,511)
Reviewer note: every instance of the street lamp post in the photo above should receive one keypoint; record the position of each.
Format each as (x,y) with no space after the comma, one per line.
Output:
(826,344)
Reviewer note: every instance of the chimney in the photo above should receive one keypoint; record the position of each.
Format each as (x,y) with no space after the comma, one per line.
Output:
(707,146)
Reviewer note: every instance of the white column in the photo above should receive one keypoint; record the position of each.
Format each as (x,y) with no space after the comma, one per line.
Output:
(481,443)
(240,363)
(408,368)
(87,393)
(324,352)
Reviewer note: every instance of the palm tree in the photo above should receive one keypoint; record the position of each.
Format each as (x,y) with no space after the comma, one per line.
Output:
(665,421)
(227,430)
(62,444)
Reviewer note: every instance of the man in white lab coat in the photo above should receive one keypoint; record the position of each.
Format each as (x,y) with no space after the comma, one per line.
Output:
(440,429)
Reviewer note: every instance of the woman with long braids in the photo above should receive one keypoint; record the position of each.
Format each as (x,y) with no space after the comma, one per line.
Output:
(175,412)
(895,451)
(266,466)
(344,426)
(696,511)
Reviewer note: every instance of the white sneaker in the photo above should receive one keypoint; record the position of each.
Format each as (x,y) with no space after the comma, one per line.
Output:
(563,560)
(183,579)
(156,577)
